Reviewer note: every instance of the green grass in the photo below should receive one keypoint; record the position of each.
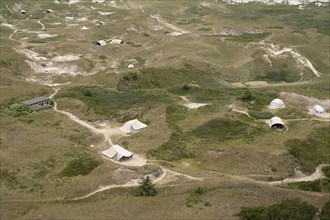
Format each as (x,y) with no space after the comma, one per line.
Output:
(173,149)
(292,113)
(246,37)
(312,151)
(223,129)
(315,186)
(108,101)
(287,209)
(260,115)
(83,165)
(163,77)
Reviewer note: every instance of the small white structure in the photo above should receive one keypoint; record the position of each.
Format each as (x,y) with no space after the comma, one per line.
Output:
(276,122)
(276,103)
(116,41)
(101,43)
(84,28)
(117,153)
(23,12)
(133,126)
(130,66)
(48,11)
(318,110)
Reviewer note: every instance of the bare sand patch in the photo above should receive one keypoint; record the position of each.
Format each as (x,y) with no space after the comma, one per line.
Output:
(192,105)
(256,83)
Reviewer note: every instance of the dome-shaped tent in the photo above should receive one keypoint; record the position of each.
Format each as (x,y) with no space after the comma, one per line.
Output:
(276,122)
(318,110)
(276,103)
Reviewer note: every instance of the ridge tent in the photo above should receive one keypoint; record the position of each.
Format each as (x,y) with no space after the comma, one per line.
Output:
(132,126)
(117,153)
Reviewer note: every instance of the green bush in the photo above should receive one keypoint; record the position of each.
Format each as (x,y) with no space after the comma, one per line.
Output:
(260,115)
(199,190)
(314,186)
(20,109)
(294,209)
(253,213)
(325,213)
(80,166)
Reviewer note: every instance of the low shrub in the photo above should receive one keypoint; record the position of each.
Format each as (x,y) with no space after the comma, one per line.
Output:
(312,151)
(80,166)
(260,115)
(222,129)
(325,213)
(314,186)
(326,171)
(287,209)
(20,109)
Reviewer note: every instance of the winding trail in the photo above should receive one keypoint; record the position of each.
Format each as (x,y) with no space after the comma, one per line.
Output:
(42,25)
(318,174)
(9,9)
(168,25)
(105,130)
(276,50)
(136,182)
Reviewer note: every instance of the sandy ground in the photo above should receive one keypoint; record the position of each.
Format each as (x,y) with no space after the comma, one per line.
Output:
(276,50)
(192,105)
(166,177)
(44,36)
(168,25)
(105,130)
(309,102)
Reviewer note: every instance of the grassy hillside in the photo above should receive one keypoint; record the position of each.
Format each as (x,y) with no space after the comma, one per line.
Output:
(184,53)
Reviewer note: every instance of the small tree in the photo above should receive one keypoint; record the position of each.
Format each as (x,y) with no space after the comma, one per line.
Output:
(146,187)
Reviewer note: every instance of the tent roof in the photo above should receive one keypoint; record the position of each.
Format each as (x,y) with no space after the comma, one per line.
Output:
(133,125)
(116,41)
(35,100)
(276,103)
(101,42)
(279,101)
(117,151)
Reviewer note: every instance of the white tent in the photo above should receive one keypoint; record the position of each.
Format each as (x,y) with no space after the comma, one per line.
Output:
(276,122)
(117,153)
(318,110)
(116,41)
(101,43)
(276,103)
(133,126)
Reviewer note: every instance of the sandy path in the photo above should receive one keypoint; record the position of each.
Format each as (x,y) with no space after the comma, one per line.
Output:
(192,105)
(104,130)
(9,9)
(318,174)
(42,25)
(135,182)
(168,25)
